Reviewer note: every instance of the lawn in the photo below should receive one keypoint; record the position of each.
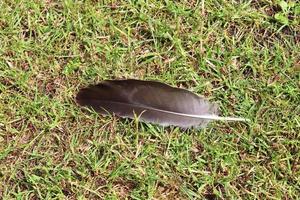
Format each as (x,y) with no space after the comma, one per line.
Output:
(244,55)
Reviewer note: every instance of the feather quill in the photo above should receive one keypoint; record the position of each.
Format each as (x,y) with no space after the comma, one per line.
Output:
(151,101)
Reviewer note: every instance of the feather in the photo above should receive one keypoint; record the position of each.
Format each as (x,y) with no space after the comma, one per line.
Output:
(150,101)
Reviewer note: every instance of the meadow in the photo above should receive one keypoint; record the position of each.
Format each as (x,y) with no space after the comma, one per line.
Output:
(244,55)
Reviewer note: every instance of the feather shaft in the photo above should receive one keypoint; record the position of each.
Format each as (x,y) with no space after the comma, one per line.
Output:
(210,117)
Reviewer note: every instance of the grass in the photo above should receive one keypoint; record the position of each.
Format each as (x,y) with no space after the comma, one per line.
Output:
(235,53)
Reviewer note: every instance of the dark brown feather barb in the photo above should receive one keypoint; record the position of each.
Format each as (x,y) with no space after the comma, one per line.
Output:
(151,101)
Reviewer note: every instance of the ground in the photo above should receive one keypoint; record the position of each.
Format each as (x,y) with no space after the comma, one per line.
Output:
(244,55)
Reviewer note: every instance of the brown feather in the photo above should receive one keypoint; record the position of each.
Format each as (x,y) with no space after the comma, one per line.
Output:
(152,101)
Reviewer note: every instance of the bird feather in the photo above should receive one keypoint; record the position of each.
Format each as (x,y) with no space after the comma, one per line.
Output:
(151,101)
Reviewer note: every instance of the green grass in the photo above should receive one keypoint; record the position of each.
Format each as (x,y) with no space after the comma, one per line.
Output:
(235,53)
